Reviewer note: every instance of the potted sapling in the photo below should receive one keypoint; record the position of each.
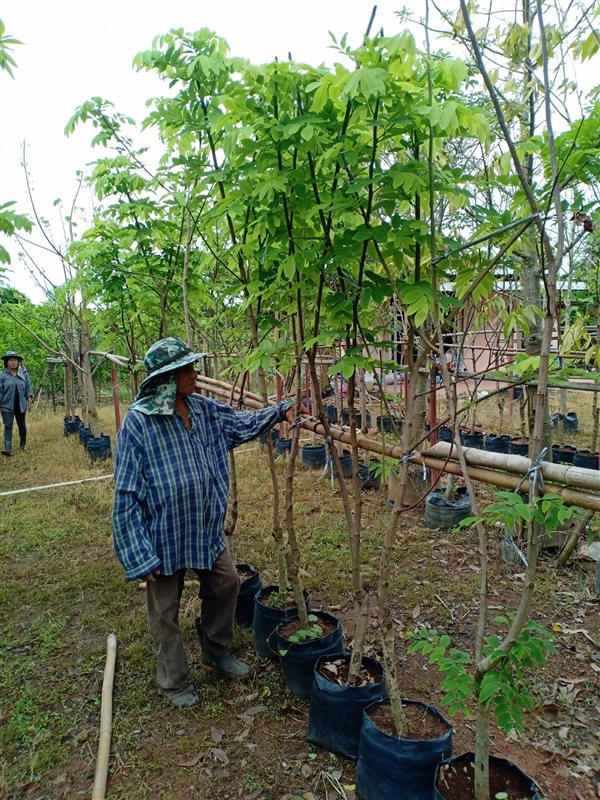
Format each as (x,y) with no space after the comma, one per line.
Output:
(495,677)
(345,683)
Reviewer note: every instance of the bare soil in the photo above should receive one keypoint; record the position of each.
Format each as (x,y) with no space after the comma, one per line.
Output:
(421,725)
(457,781)
(287,629)
(338,671)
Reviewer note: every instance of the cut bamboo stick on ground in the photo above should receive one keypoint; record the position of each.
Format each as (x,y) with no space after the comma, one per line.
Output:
(99,789)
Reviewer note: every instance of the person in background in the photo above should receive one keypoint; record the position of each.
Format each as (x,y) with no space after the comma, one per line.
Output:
(171,489)
(16,396)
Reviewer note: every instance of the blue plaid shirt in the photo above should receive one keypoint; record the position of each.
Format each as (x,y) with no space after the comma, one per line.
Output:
(172,484)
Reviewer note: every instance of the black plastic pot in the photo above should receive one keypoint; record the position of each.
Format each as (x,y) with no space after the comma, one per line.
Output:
(518,446)
(346,464)
(389,424)
(359,420)
(370,474)
(497,444)
(517,392)
(72,425)
(345,416)
(570,421)
(314,456)
(389,767)
(444,434)
(250,586)
(331,413)
(282,446)
(266,620)
(298,660)
(274,433)
(446,514)
(84,434)
(563,455)
(335,714)
(98,447)
(521,783)
(587,459)
(472,439)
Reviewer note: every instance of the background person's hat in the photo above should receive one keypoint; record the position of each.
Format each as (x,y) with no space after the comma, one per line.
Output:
(167,355)
(11,354)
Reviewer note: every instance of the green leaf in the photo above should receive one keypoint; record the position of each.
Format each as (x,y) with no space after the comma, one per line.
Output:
(289,268)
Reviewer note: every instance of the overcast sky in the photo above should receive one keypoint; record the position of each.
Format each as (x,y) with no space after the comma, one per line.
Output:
(75,49)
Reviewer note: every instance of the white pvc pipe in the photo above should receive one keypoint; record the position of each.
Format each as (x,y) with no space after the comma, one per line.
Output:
(53,485)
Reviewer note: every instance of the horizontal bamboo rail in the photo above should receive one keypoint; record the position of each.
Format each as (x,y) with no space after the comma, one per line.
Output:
(572,497)
(434,459)
(555,473)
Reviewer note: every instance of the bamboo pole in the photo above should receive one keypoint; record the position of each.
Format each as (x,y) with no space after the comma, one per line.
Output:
(576,477)
(484,466)
(99,789)
(572,497)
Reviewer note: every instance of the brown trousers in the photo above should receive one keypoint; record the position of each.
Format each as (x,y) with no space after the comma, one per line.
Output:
(219,588)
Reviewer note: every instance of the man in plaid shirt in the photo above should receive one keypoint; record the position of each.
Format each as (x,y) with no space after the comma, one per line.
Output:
(171,491)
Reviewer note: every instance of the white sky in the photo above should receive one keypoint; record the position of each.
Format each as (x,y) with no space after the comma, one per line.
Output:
(75,49)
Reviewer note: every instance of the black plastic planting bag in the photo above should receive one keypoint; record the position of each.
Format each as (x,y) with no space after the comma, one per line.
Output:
(335,715)
(249,588)
(499,767)
(389,767)
(298,660)
(266,620)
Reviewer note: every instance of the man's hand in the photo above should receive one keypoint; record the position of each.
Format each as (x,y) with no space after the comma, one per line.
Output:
(151,576)
(292,413)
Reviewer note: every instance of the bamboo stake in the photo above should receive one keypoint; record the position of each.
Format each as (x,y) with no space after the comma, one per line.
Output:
(99,790)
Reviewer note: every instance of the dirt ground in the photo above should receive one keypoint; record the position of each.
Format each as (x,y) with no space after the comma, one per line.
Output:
(247,739)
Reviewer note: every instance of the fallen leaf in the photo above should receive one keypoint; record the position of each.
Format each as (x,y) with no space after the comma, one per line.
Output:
(416,611)
(217,734)
(306,770)
(191,762)
(253,795)
(331,668)
(219,755)
(186,731)
(250,712)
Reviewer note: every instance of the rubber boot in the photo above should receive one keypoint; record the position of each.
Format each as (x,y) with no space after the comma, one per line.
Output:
(7,447)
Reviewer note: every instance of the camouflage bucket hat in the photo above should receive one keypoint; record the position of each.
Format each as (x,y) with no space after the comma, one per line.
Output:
(167,355)
(11,354)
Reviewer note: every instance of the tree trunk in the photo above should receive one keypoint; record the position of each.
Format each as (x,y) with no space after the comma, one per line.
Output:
(482,752)
(90,395)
